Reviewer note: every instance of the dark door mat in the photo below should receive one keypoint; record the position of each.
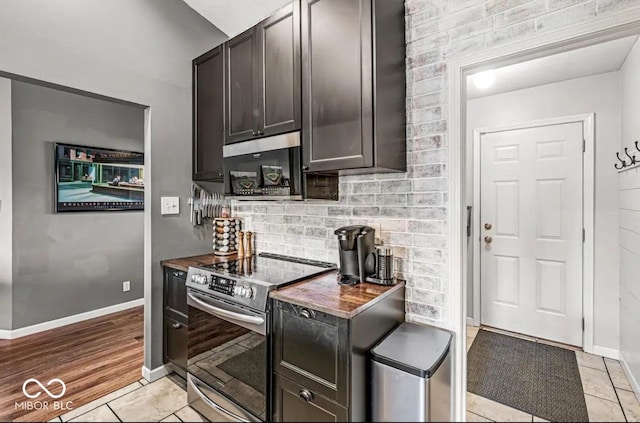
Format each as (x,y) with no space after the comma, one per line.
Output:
(248,367)
(535,378)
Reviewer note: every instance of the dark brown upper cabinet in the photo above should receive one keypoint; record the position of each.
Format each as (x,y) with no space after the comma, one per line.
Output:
(262,78)
(279,71)
(240,84)
(208,116)
(353,85)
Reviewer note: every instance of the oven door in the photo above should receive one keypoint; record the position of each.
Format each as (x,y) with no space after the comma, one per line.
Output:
(227,359)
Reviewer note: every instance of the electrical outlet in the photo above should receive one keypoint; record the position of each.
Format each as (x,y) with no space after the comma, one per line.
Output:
(126,286)
(246,224)
(376,227)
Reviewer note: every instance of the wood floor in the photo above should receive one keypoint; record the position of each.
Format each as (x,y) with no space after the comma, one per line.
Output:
(93,358)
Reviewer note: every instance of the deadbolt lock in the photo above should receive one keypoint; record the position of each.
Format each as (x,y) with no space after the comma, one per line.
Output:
(488,226)
(488,239)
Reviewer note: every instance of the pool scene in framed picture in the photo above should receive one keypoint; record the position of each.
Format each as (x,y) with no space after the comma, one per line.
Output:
(97,179)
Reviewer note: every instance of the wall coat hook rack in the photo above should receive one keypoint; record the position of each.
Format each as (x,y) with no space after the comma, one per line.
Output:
(631,161)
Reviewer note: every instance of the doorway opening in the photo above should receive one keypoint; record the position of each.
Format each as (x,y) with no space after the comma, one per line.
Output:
(544,245)
(75,289)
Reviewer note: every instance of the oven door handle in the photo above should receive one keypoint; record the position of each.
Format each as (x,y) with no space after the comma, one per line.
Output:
(226,313)
(212,404)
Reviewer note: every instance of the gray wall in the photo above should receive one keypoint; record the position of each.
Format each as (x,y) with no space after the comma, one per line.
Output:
(69,263)
(597,94)
(139,51)
(6,210)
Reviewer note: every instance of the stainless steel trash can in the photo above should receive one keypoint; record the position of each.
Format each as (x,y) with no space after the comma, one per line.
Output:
(411,375)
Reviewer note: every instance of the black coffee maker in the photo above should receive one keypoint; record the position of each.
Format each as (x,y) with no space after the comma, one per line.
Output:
(356,245)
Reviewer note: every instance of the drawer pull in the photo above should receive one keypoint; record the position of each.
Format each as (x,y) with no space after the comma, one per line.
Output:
(307,314)
(176,325)
(178,274)
(305,395)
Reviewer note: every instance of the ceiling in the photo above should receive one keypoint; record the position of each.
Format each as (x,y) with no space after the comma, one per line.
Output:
(592,60)
(234,17)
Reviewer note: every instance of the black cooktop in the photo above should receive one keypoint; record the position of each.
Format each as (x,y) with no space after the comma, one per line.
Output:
(274,269)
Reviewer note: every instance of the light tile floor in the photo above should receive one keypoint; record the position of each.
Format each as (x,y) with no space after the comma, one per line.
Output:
(164,400)
(608,393)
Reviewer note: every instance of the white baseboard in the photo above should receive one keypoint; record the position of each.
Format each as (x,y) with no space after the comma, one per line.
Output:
(155,374)
(41,327)
(630,376)
(606,352)
(470,321)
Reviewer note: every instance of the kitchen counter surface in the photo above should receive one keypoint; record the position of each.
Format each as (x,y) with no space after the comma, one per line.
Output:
(201,260)
(323,293)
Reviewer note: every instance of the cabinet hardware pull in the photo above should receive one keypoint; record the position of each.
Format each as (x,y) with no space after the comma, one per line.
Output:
(220,174)
(176,325)
(260,133)
(203,397)
(178,274)
(307,314)
(305,167)
(219,312)
(305,395)
(254,133)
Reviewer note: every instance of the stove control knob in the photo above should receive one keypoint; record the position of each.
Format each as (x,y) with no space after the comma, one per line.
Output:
(199,279)
(243,291)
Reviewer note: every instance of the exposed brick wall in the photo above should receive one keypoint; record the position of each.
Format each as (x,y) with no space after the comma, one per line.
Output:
(411,208)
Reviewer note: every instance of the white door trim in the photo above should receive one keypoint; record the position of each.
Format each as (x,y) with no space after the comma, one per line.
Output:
(594,31)
(588,203)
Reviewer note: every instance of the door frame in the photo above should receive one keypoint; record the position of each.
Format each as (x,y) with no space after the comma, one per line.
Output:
(588,211)
(539,44)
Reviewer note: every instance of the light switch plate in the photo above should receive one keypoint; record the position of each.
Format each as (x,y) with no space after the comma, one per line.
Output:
(169,205)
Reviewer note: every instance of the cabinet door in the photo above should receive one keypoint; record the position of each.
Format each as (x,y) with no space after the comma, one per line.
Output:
(175,344)
(312,348)
(208,116)
(294,403)
(337,84)
(278,61)
(175,294)
(241,81)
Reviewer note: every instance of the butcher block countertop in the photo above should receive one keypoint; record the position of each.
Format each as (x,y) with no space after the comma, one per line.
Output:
(202,260)
(323,293)
(320,293)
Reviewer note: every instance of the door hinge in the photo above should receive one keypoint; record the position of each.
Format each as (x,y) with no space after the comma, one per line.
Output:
(584,235)
(584,145)
(583,324)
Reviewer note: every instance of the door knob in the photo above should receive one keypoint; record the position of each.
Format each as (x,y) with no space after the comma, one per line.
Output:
(488,239)
(488,226)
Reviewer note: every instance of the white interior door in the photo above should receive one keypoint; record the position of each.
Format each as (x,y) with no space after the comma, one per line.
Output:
(531,255)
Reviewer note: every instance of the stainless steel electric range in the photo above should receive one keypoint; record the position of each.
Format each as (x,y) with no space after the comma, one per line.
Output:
(229,325)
